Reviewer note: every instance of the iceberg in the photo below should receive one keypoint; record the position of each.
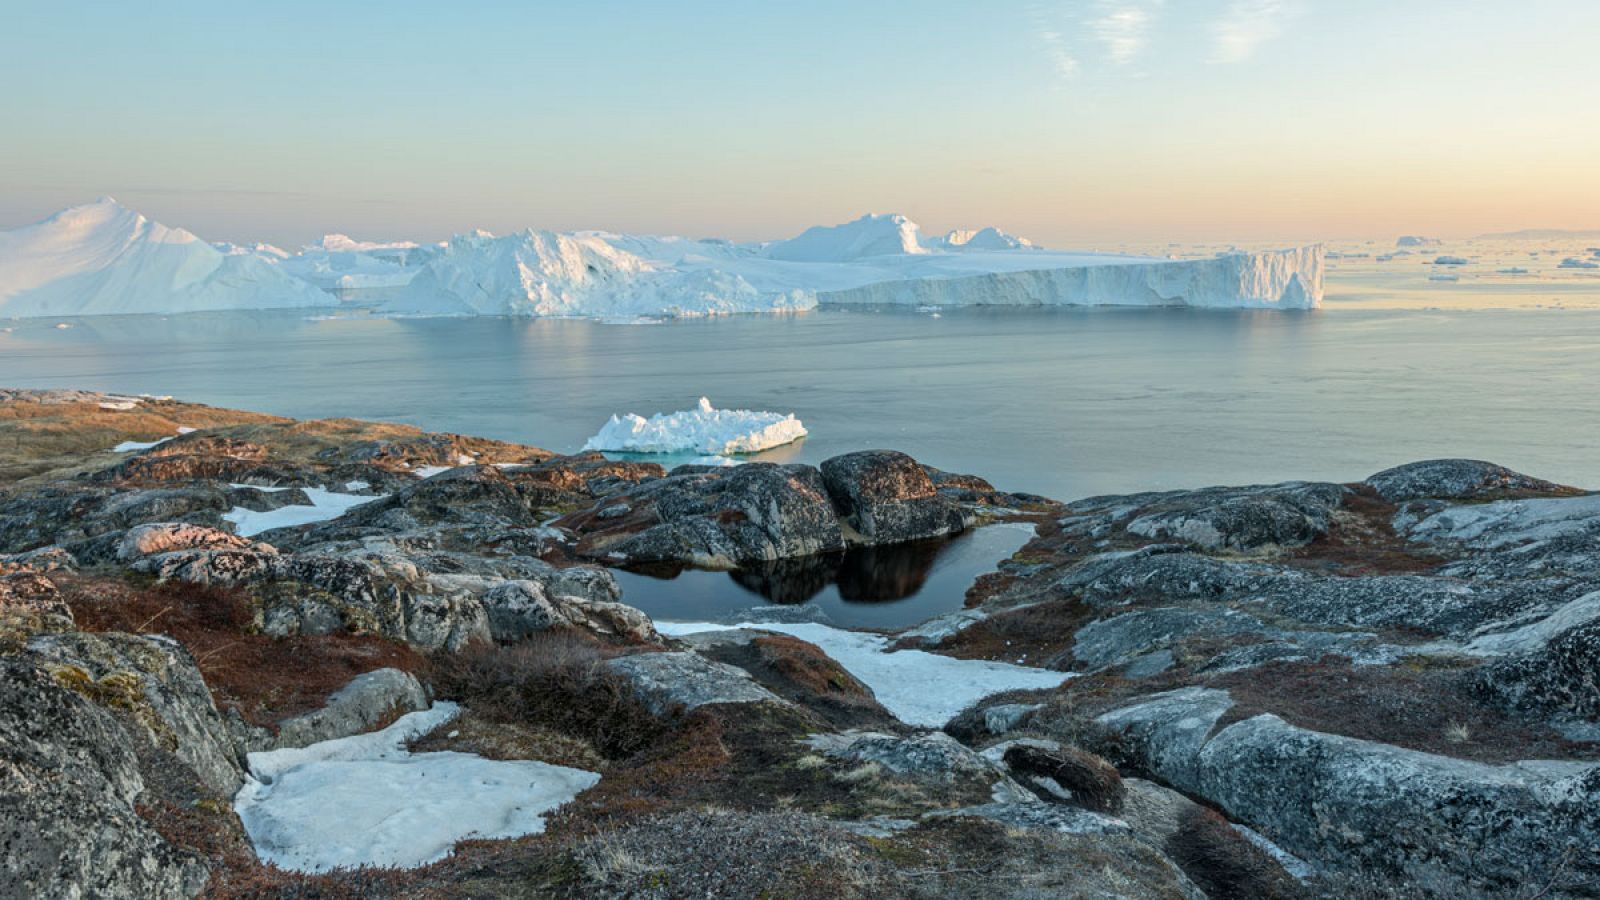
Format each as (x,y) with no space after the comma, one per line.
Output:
(103,258)
(704,430)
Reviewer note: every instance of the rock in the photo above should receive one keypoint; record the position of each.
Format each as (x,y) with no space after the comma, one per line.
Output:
(1282,515)
(930,755)
(154,678)
(1042,817)
(1166,573)
(517,609)
(29,603)
(729,518)
(1506,523)
(1361,805)
(1560,675)
(69,780)
(885,497)
(1456,479)
(369,701)
(689,680)
(165,537)
(1115,641)
(1006,717)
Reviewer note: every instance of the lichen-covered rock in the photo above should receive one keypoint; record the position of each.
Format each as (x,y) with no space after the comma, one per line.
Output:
(69,780)
(165,537)
(1282,515)
(930,755)
(886,497)
(154,678)
(70,514)
(30,602)
(1361,805)
(517,609)
(367,702)
(689,680)
(1560,675)
(723,519)
(1455,479)
(1166,573)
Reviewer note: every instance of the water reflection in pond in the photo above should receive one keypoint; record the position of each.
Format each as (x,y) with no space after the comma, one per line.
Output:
(877,587)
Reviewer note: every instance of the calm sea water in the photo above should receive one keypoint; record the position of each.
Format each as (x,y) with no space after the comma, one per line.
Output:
(1063,402)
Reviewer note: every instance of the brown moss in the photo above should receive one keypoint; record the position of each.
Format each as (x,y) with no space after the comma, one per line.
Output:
(1423,704)
(1095,784)
(1224,863)
(1042,632)
(1361,540)
(266,679)
(555,680)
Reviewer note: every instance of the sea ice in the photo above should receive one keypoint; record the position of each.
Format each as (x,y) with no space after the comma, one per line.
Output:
(919,688)
(325,505)
(367,801)
(704,430)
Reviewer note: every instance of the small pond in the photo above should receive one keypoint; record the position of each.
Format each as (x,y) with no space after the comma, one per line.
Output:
(879,588)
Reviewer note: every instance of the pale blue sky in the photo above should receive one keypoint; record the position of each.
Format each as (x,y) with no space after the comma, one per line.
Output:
(1071,122)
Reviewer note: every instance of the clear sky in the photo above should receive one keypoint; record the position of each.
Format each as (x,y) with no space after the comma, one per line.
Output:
(1069,122)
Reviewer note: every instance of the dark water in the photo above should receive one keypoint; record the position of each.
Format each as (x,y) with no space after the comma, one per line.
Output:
(877,588)
(1060,402)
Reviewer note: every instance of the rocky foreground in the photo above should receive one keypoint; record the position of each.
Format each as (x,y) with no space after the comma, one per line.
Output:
(1382,689)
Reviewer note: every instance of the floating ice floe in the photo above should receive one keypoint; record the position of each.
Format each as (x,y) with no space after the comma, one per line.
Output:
(367,801)
(704,430)
(325,505)
(919,688)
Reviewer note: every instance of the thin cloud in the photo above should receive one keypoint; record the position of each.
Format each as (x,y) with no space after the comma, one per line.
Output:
(1055,46)
(1244,27)
(1122,30)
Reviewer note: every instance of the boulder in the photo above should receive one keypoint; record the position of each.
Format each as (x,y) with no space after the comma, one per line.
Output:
(367,702)
(1456,479)
(929,755)
(688,680)
(1246,518)
(69,779)
(165,537)
(886,497)
(1364,806)
(154,678)
(729,518)
(517,609)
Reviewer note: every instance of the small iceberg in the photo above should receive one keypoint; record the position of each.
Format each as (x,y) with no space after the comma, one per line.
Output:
(705,430)
(368,801)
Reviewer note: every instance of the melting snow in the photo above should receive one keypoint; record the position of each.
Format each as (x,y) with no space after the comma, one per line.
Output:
(367,801)
(920,688)
(325,505)
(705,430)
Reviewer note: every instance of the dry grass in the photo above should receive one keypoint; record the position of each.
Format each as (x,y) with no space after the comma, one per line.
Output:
(267,679)
(556,681)
(1224,863)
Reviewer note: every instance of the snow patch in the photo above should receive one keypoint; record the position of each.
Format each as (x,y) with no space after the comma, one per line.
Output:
(325,505)
(919,688)
(366,801)
(704,430)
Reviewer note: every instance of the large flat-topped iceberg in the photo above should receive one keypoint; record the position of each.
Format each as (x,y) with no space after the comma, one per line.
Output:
(102,258)
(704,429)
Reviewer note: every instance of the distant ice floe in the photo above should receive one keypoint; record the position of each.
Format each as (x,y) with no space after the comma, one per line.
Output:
(102,258)
(367,801)
(325,505)
(704,430)
(919,688)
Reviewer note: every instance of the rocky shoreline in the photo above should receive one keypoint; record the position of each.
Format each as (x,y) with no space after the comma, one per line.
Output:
(1382,689)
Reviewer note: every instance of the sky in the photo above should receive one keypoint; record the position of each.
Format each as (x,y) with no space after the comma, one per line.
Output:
(1073,123)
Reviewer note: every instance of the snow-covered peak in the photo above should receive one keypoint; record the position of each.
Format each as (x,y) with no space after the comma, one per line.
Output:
(102,257)
(990,238)
(343,243)
(870,235)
